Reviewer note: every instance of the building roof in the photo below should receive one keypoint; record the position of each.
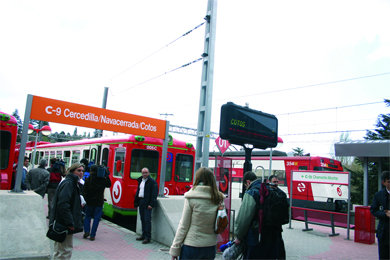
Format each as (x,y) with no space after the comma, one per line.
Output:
(364,148)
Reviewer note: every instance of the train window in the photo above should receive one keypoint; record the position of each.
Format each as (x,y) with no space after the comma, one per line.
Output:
(5,146)
(168,171)
(184,167)
(281,177)
(40,156)
(46,156)
(105,156)
(86,154)
(144,158)
(119,161)
(52,155)
(94,155)
(67,158)
(59,155)
(37,157)
(303,168)
(75,156)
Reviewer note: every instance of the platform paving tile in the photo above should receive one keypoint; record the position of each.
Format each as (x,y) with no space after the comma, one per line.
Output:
(114,242)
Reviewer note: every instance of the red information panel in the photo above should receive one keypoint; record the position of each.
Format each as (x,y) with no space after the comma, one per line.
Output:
(223,176)
(364,225)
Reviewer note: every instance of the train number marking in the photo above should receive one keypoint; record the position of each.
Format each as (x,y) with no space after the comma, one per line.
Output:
(301,187)
(117,192)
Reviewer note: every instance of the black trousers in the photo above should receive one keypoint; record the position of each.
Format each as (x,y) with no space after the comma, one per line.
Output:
(146,219)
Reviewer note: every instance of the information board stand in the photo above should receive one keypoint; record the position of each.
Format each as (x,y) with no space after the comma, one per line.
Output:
(334,178)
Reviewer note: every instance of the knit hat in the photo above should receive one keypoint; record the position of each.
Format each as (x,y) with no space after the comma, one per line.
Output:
(43,163)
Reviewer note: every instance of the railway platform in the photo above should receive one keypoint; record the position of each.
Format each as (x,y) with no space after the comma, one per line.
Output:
(115,242)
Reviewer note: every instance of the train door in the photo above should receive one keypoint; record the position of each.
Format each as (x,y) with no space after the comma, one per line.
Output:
(116,196)
(91,154)
(184,166)
(102,155)
(169,188)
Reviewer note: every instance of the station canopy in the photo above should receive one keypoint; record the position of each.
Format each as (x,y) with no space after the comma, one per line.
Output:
(366,148)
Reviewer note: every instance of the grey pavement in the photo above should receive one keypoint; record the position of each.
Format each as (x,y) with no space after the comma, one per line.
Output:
(115,242)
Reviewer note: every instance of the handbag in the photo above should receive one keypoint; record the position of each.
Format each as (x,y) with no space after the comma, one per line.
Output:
(233,252)
(57,232)
(221,221)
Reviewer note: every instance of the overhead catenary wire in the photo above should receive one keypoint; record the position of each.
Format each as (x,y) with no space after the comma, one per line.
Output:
(329,132)
(313,85)
(157,51)
(162,74)
(330,108)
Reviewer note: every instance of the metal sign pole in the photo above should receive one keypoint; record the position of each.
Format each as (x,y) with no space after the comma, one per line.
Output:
(22,150)
(164,161)
(270,164)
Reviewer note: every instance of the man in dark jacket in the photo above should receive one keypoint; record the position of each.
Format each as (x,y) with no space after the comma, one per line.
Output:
(93,193)
(146,200)
(37,179)
(67,210)
(269,245)
(380,208)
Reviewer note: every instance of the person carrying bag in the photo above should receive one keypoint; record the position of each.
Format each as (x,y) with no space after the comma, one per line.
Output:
(195,237)
(66,216)
(57,232)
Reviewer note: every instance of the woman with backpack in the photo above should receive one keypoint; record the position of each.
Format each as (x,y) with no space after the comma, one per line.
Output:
(195,237)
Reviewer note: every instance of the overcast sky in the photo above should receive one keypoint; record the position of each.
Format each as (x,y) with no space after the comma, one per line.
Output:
(327,60)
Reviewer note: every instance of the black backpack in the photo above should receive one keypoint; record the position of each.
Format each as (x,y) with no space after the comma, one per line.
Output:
(274,207)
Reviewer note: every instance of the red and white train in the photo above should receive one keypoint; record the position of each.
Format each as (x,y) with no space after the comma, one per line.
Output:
(125,156)
(312,195)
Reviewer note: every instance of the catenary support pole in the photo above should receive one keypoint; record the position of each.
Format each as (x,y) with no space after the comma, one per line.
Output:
(104,105)
(206,91)
(22,150)
(164,161)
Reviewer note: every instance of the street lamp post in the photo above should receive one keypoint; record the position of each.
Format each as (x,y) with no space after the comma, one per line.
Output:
(45,130)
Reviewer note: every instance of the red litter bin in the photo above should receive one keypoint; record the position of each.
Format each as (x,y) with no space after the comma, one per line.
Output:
(364,225)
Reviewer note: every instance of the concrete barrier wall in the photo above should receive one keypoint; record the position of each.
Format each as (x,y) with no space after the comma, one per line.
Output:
(166,218)
(23,226)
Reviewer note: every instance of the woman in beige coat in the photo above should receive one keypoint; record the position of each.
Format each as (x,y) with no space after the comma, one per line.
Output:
(195,237)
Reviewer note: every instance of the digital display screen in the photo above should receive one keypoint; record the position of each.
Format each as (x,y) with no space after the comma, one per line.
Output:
(242,125)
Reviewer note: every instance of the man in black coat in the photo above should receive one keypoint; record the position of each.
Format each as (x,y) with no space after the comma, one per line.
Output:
(380,208)
(146,200)
(67,210)
(93,193)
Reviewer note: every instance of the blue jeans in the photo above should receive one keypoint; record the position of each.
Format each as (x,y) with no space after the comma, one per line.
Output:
(96,214)
(146,220)
(190,252)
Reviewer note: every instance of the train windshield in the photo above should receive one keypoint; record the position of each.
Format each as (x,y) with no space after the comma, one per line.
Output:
(141,159)
(325,169)
(5,145)
(184,166)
